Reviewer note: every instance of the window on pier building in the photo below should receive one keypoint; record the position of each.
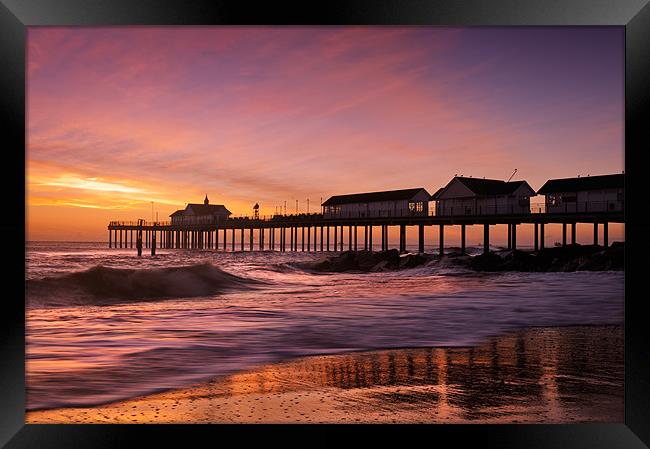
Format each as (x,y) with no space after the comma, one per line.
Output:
(416,206)
(333,210)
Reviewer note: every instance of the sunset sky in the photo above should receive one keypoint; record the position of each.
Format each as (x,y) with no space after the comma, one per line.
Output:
(122,117)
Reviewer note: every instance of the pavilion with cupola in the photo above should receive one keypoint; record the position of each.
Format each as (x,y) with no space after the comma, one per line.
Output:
(205,213)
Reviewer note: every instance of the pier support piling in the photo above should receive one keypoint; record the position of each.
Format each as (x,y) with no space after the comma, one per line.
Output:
(486,238)
(573,233)
(402,238)
(138,243)
(462,240)
(563,234)
(605,234)
(442,240)
(514,236)
(541,236)
(596,233)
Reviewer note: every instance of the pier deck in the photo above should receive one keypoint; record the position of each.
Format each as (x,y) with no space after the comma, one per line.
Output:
(319,233)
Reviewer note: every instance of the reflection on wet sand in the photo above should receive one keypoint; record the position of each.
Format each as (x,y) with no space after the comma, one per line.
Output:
(570,374)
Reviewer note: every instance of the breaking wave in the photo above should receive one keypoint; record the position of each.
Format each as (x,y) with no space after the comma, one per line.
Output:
(103,285)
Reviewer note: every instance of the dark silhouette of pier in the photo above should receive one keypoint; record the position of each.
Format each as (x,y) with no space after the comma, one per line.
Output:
(314,232)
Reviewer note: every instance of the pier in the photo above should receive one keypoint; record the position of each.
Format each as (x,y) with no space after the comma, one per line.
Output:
(314,232)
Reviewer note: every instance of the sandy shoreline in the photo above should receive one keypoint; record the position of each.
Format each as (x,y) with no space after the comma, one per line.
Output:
(550,375)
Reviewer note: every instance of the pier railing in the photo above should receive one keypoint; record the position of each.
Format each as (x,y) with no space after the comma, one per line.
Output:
(144,223)
(534,208)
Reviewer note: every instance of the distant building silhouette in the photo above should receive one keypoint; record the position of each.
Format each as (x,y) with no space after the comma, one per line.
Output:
(200,213)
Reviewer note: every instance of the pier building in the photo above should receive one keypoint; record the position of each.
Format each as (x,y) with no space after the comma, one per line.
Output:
(584,194)
(390,203)
(476,196)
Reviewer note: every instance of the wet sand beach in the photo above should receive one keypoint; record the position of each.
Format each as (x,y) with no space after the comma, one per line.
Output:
(536,375)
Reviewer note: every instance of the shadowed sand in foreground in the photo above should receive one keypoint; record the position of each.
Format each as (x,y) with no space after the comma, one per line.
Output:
(550,375)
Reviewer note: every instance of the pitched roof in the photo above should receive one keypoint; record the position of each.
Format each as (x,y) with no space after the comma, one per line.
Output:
(178,212)
(490,186)
(389,195)
(485,187)
(207,209)
(616,181)
(437,194)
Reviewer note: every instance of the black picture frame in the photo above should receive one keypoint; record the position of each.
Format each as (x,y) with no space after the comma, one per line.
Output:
(16,15)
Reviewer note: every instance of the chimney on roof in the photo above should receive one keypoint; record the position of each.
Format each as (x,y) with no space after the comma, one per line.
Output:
(206,201)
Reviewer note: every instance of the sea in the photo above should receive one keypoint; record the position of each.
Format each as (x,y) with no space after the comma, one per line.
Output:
(105,325)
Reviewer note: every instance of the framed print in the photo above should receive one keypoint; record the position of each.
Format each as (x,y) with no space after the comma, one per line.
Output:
(356,213)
